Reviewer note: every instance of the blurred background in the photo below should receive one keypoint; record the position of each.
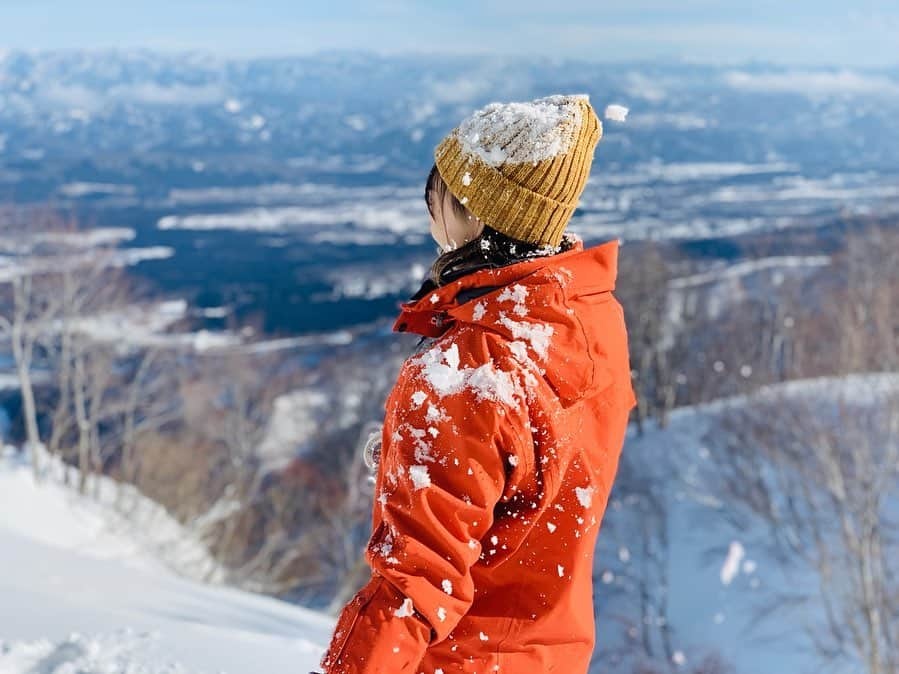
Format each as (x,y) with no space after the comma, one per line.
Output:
(209,213)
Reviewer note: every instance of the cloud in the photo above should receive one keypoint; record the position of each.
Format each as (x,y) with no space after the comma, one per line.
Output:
(814,82)
(463,89)
(93,99)
(174,94)
(71,96)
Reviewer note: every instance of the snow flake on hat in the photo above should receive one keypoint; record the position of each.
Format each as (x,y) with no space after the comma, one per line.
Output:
(522,132)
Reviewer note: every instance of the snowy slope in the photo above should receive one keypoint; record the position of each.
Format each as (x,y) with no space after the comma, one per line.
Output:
(78,595)
(722,579)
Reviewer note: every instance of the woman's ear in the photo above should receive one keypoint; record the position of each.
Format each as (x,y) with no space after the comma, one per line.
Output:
(480,224)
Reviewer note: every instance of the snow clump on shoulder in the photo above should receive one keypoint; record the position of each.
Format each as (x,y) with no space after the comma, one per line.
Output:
(517,294)
(522,132)
(440,368)
(537,334)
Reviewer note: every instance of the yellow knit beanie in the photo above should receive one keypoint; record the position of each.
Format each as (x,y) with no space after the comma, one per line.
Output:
(521,167)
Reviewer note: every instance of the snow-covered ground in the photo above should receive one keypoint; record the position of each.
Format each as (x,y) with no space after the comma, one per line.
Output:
(82,593)
(652,200)
(85,590)
(726,585)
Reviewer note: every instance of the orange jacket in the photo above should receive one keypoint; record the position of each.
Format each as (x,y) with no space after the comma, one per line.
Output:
(500,444)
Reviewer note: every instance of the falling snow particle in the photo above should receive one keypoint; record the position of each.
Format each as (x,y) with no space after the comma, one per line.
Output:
(483,636)
(678,658)
(616,113)
(731,565)
(447,586)
(561,570)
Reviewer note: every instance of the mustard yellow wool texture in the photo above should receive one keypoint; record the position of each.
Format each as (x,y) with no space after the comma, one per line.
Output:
(531,201)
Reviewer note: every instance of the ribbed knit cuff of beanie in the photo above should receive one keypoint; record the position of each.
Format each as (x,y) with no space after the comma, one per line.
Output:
(521,167)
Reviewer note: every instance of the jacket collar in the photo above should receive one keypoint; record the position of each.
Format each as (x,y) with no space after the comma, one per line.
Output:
(577,271)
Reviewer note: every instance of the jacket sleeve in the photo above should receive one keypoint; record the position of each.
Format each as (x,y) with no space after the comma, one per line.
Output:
(443,469)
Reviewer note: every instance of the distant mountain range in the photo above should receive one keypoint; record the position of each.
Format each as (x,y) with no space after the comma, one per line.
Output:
(160,118)
(293,186)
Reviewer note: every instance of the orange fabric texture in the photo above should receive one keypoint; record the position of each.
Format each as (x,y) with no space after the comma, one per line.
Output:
(500,444)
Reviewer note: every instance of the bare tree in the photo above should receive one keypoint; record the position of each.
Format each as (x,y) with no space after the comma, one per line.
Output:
(821,469)
(644,294)
(632,565)
(31,311)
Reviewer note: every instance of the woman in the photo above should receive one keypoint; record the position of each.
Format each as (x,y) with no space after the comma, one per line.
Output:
(502,434)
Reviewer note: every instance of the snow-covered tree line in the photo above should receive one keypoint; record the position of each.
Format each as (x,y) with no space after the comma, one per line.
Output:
(106,379)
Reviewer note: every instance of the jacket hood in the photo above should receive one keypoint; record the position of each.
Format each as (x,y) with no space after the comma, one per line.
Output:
(535,305)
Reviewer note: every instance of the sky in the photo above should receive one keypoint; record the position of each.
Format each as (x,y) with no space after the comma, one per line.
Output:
(850,33)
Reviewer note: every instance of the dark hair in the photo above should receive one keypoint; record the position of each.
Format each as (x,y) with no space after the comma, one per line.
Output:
(491,248)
